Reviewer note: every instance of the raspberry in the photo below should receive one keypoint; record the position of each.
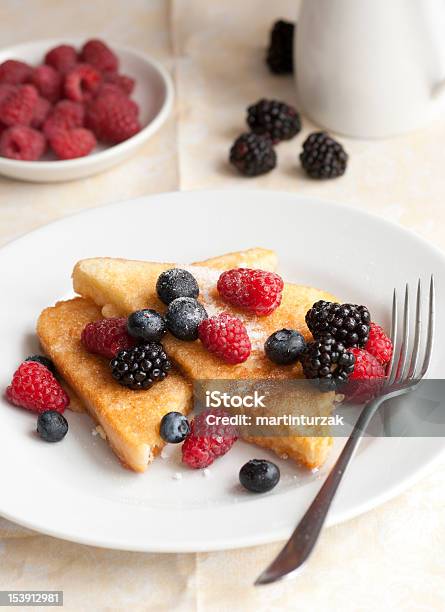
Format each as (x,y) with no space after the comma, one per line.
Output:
(18,108)
(122,81)
(47,81)
(22,142)
(81,83)
(367,378)
(69,144)
(113,118)
(35,388)
(41,112)
(107,337)
(62,58)
(64,116)
(379,344)
(6,89)
(206,442)
(257,291)
(14,72)
(96,53)
(225,336)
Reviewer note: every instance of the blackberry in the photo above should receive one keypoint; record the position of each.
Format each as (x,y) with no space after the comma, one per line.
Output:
(253,154)
(323,157)
(44,361)
(328,361)
(141,366)
(280,57)
(276,119)
(284,346)
(259,475)
(183,317)
(175,283)
(347,323)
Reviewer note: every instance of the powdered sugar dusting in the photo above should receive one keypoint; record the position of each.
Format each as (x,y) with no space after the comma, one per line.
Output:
(207,280)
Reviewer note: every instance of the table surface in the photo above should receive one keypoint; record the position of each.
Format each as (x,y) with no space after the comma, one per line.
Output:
(389,558)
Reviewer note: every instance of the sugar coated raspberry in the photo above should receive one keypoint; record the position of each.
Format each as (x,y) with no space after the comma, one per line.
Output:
(34,387)
(257,291)
(107,337)
(226,337)
(208,439)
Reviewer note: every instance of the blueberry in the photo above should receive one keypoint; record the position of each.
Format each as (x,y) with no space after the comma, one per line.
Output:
(176,283)
(174,427)
(44,361)
(284,346)
(259,475)
(184,316)
(52,426)
(146,325)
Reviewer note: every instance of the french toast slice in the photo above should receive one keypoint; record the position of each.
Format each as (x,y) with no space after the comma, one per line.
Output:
(129,419)
(121,287)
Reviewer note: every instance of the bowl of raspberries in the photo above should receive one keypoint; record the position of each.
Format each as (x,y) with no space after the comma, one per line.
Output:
(72,109)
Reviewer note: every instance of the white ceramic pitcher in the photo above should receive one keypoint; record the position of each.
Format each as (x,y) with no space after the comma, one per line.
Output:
(370,68)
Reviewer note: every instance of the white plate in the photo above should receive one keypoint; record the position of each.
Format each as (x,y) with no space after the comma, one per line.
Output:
(153,92)
(77,489)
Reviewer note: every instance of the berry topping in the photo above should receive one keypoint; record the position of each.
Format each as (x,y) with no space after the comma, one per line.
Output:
(379,344)
(347,323)
(18,108)
(107,337)
(44,361)
(22,142)
(62,58)
(175,283)
(183,318)
(276,119)
(208,439)
(174,427)
(280,51)
(285,346)
(259,475)
(323,157)
(328,361)
(52,426)
(226,337)
(98,54)
(140,367)
(257,291)
(146,325)
(66,115)
(14,72)
(47,81)
(82,83)
(253,154)
(113,117)
(367,379)
(69,144)
(34,387)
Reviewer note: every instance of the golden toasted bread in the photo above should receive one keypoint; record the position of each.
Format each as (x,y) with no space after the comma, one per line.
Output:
(129,419)
(121,287)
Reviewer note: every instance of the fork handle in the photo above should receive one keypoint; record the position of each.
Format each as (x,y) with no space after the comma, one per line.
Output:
(305,536)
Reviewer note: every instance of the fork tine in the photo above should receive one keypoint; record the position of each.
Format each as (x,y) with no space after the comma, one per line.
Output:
(399,370)
(417,332)
(431,325)
(393,335)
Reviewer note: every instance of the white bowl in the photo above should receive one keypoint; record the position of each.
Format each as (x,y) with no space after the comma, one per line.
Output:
(153,92)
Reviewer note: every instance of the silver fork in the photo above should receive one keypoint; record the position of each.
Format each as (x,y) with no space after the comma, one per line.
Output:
(402,377)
